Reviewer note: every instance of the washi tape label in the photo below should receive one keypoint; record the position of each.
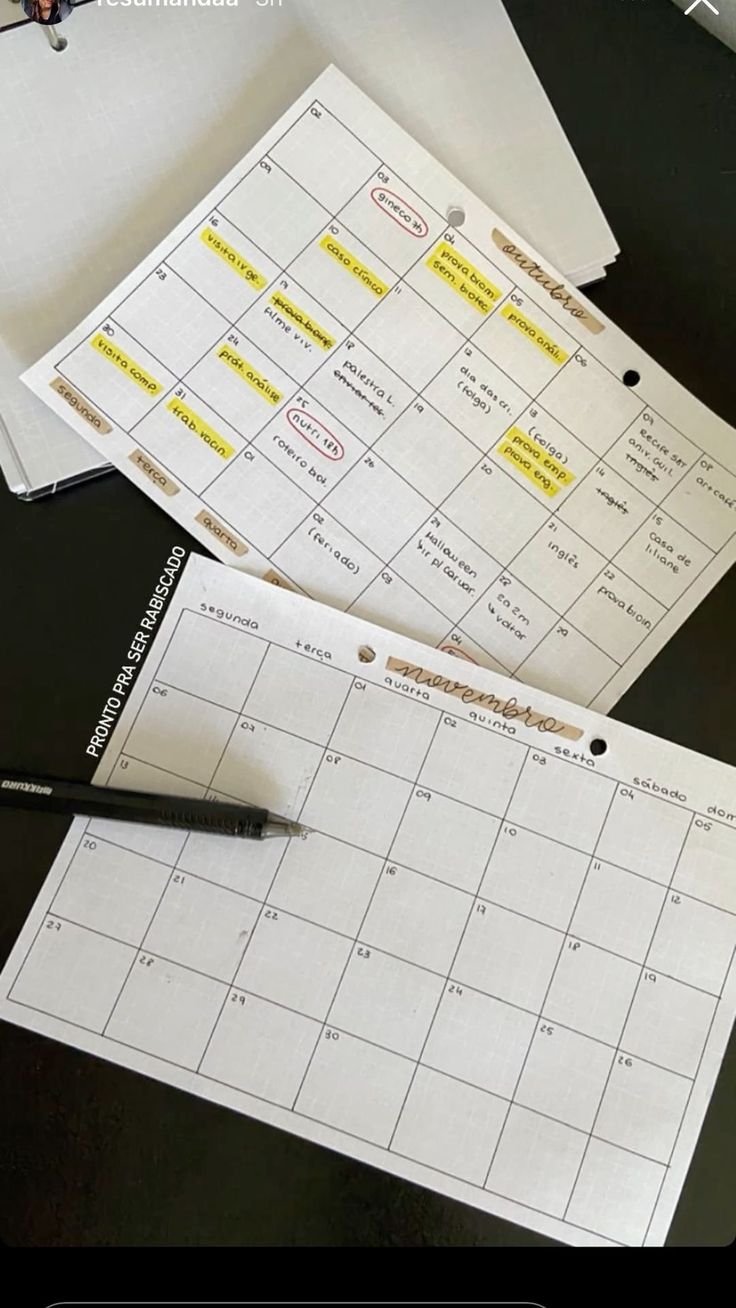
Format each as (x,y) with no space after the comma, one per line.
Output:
(277,580)
(80,406)
(556,289)
(511,709)
(222,533)
(155,474)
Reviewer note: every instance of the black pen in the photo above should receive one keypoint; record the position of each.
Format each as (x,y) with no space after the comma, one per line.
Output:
(45,794)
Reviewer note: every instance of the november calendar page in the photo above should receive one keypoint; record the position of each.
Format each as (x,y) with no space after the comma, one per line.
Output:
(497,960)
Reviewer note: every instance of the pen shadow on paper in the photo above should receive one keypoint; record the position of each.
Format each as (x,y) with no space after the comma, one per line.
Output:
(192,169)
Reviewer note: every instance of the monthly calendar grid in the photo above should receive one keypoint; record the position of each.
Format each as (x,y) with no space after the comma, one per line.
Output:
(457,626)
(475,899)
(562,619)
(608,681)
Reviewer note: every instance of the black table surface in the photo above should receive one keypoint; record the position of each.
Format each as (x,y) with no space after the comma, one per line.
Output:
(97,1156)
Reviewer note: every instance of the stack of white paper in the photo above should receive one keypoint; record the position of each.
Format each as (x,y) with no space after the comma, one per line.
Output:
(155,112)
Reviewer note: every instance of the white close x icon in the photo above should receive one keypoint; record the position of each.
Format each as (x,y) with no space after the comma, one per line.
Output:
(695,4)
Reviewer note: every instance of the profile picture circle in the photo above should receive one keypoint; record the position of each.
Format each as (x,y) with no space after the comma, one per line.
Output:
(46,12)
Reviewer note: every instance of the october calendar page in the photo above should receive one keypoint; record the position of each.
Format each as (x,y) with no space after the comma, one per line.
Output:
(498,962)
(420,423)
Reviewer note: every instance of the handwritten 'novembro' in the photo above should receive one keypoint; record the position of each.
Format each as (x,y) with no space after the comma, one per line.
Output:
(507,708)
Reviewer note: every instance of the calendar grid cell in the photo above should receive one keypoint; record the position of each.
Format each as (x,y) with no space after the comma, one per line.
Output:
(350,131)
(169,643)
(135,957)
(115,844)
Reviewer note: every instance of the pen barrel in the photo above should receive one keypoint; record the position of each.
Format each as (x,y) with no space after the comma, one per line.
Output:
(48,796)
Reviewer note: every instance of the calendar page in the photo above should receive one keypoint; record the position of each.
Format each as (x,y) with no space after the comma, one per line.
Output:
(330,384)
(498,962)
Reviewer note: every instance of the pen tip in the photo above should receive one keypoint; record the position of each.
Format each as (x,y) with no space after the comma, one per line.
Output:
(283,827)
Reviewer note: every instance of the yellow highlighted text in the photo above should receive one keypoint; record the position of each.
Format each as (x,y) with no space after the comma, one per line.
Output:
(527,467)
(249,374)
(520,441)
(533,462)
(214,242)
(534,333)
(124,362)
(302,321)
(464,278)
(200,428)
(353,265)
